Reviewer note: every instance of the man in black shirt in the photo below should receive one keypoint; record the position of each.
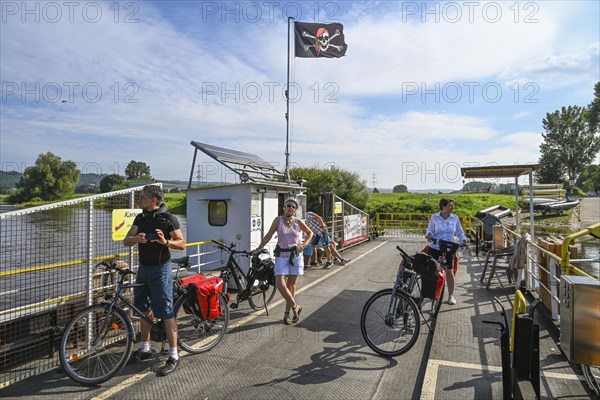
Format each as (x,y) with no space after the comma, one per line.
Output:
(155,231)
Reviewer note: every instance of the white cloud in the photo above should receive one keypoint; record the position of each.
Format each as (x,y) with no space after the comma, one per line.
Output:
(169,67)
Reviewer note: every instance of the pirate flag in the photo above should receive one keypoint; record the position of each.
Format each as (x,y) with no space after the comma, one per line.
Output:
(319,40)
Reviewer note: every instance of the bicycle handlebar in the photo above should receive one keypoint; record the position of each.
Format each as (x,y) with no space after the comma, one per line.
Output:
(403,253)
(111,266)
(230,248)
(448,246)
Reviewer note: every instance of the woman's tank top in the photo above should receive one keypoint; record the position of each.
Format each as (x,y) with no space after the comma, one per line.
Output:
(288,236)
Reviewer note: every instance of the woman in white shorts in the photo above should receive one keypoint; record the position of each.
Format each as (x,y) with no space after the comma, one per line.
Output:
(289,262)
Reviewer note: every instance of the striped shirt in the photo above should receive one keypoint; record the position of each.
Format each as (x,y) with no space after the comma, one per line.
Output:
(312,221)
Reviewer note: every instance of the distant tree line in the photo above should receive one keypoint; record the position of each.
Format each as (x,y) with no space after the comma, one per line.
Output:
(51,178)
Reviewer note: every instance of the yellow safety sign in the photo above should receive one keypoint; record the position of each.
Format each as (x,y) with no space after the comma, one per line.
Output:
(122,220)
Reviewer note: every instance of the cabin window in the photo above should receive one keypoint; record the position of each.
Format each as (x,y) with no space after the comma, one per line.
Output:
(217,212)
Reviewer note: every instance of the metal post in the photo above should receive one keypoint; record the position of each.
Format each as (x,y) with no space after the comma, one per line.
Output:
(531,223)
(531,283)
(518,227)
(90,253)
(286,175)
(553,289)
(192,171)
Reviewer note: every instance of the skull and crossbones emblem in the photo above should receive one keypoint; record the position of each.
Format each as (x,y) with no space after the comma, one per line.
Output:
(322,40)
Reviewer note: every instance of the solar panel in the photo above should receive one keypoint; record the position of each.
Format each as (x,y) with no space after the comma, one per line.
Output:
(251,166)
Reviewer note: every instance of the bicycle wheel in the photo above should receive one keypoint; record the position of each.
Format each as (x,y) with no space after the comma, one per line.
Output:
(261,293)
(390,334)
(592,377)
(196,335)
(96,345)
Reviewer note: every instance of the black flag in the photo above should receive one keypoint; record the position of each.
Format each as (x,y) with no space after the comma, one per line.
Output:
(319,40)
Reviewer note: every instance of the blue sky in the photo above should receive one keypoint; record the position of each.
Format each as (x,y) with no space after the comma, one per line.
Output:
(424,89)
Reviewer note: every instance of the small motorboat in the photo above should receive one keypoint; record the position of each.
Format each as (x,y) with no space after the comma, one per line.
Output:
(560,206)
(538,203)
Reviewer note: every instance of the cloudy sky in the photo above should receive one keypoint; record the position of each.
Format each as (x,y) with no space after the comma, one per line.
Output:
(424,89)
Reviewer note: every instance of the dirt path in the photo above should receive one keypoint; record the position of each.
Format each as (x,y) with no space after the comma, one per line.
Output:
(588,213)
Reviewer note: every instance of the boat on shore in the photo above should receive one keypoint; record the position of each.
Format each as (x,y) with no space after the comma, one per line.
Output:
(560,206)
(538,202)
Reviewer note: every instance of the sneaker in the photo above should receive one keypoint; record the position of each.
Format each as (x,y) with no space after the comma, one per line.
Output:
(169,367)
(344,261)
(328,265)
(139,355)
(313,263)
(452,300)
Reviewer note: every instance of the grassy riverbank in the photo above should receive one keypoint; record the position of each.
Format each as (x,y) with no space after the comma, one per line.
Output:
(467,204)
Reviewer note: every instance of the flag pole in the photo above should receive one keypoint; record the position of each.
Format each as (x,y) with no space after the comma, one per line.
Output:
(286,176)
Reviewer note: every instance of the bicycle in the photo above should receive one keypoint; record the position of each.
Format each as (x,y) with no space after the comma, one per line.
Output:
(97,342)
(391,318)
(257,286)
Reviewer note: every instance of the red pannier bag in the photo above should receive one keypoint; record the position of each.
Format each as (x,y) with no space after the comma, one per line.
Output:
(439,285)
(204,294)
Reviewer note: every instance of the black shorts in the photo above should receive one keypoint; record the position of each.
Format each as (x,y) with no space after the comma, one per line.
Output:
(436,254)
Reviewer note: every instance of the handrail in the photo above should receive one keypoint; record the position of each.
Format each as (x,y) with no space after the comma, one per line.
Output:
(570,267)
(414,220)
(78,262)
(593,230)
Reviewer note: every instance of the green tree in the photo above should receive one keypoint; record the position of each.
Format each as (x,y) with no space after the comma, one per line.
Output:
(589,179)
(49,179)
(138,171)
(375,190)
(569,141)
(594,110)
(479,187)
(344,184)
(400,189)
(551,170)
(112,182)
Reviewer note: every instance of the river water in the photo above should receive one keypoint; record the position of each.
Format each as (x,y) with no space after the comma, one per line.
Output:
(38,240)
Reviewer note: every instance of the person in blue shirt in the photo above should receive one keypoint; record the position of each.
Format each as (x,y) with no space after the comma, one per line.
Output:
(445,225)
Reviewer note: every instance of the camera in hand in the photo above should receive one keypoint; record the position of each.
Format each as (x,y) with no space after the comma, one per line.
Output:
(151,236)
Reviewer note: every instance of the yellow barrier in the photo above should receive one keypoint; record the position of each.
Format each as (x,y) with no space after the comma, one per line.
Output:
(520,306)
(593,230)
(412,220)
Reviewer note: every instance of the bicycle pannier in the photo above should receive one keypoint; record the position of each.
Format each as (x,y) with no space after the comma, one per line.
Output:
(263,269)
(205,296)
(424,264)
(187,281)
